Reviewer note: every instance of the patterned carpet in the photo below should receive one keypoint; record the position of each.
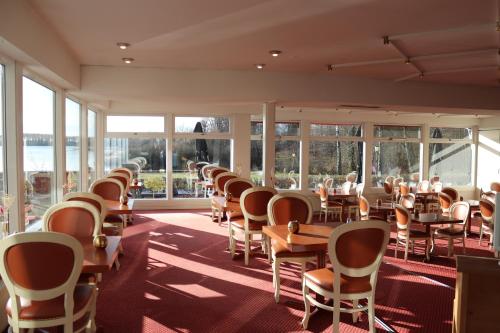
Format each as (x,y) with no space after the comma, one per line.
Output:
(176,276)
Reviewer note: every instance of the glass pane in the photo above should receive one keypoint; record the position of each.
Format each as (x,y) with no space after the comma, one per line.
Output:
(335,130)
(256,161)
(287,129)
(450,133)
(334,160)
(140,124)
(2,115)
(145,157)
(201,125)
(38,136)
(256,128)
(397,159)
(72,147)
(287,163)
(186,181)
(389,131)
(452,162)
(91,139)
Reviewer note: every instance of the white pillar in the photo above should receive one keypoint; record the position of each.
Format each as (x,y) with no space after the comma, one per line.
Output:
(60,145)
(475,154)
(14,143)
(268,153)
(241,144)
(304,154)
(169,127)
(367,154)
(99,154)
(424,153)
(84,140)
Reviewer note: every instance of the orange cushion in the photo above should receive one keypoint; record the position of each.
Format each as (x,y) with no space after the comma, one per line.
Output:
(53,308)
(282,252)
(348,285)
(252,225)
(449,231)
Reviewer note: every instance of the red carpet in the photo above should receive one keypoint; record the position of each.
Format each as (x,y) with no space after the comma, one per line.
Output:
(176,276)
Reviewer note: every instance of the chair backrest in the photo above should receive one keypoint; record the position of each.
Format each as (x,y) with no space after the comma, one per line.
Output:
(397,181)
(487,209)
(407,201)
(328,182)
(434,179)
(124,171)
(351,177)
(460,210)
(191,166)
(205,170)
(388,188)
(323,193)
(445,201)
(221,179)
(213,173)
(289,206)
(360,188)
(423,186)
(95,200)
(364,207)
(451,192)
(437,186)
(490,195)
(108,188)
(356,250)
(346,187)
(389,179)
(403,218)
(404,189)
(122,178)
(254,201)
(76,218)
(41,266)
(236,186)
(495,186)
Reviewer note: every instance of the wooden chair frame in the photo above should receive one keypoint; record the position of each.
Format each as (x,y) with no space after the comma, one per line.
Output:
(74,204)
(441,232)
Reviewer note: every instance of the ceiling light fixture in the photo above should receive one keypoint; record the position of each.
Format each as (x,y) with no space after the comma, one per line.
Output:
(260,66)
(421,75)
(330,67)
(128,60)
(275,53)
(123,45)
(407,61)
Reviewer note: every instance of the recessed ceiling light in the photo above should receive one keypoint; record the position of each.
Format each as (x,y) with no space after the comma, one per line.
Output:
(260,66)
(330,67)
(123,45)
(275,53)
(128,60)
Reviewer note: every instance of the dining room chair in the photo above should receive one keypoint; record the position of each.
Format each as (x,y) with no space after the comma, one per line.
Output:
(456,231)
(434,179)
(124,171)
(423,186)
(364,208)
(487,209)
(108,188)
(445,202)
(122,178)
(218,182)
(333,208)
(328,182)
(451,192)
(235,187)
(406,235)
(495,186)
(40,271)
(356,251)
(404,189)
(281,209)
(253,202)
(389,190)
(207,184)
(407,201)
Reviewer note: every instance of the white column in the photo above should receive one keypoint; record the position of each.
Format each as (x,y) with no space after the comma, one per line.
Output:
(304,154)
(241,144)
(169,126)
(424,153)
(14,143)
(60,145)
(84,140)
(99,154)
(475,154)
(367,154)
(268,153)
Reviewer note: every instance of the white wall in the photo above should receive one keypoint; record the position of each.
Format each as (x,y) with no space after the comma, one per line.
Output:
(488,153)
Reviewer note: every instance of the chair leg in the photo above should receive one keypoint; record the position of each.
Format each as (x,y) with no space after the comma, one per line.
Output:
(427,247)
(396,249)
(269,250)
(276,275)
(326,215)
(450,246)
(355,315)
(307,304)
(406,249)
(480,233)
(232,242)
(371,314)
(247,248)
(463,244)
(336,315)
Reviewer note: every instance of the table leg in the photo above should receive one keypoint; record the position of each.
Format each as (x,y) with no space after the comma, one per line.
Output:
(321,263)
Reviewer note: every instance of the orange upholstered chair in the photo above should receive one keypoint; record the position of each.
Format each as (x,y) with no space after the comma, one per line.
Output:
(328,207)
(108,188)
(235,187)
(407,200)
(404,189)
(389,190)
(122,178)
(220,180)
(406,235)
(356,251)
(40,271)
(445,201)
(281,209)
(495,186)
(459,210)
(253,202)
(451,192)
(487,209)
(76,218)
(125,171)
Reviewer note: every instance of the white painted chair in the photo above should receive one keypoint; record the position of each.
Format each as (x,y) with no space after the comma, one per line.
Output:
(459,210)
(328,207)
(405,235)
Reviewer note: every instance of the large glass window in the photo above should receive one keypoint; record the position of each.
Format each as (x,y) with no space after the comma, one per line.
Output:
(396,152)
(198,141)
(133,124)
(287,155)
(2,115)
(91,145)
(450,155)
(73,151)
(38,136)
(256,150)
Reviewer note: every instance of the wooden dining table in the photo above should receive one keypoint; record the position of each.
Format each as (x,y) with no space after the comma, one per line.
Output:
(116,207)
(98,260)
(384,209)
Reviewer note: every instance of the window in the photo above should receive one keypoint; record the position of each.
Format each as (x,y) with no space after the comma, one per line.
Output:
(287,158)
(73,152)
(198,141)
(450,155)
(2,115)
(256,150)
(138,143)
(396,152)
(91,145)
(38,136)
(334,152)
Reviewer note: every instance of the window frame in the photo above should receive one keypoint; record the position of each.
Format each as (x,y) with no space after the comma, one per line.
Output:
(131,135)
(81,136)
(211,135)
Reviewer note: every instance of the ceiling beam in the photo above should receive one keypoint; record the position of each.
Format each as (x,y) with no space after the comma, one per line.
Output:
(458,30)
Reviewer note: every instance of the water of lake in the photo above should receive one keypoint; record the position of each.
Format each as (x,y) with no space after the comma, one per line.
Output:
(41,158)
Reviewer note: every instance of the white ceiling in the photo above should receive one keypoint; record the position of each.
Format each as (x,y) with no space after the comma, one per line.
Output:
(229,34)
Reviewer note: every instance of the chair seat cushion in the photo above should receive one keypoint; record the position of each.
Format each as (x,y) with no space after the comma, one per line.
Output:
(234,214)
(449,231)
(113,218)
(252,225)
(415,234)
(348,285)
(282,252)
(53,308)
